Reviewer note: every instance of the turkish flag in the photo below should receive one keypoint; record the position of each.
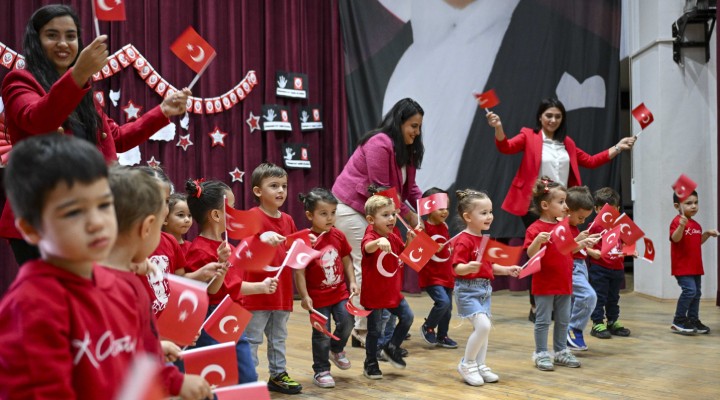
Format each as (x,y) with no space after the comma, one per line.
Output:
(643,115)
(302,235)
(253,390)
(629,231)
(300,255)
(649,255)
(610,241)
(419,251)
(481,249)
(227,322)
(533,265)
(109,10)
(353,310)
(185,310)
(606,217)
(241,224)
(683,187)
(629,249)
(502,254)
(562,238)
(252,254)
(193,50)
(319,323)
(391,193)
(216,363)
(432,203)
(488,99)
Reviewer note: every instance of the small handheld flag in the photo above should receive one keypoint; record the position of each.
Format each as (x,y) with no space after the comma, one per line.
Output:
(194,51)
(684,187)
(488,99)
(643,115)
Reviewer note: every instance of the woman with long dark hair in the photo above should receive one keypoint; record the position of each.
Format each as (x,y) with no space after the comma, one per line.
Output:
(53,94)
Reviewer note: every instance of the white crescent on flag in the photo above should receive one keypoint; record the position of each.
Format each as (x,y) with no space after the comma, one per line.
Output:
(493,252)
(612,235)
(224,321)
(629,232)
(603,217)
(413,259)
(190,296)
(101,4)
(560,232)
(200,56)
(303,258)
(213,368)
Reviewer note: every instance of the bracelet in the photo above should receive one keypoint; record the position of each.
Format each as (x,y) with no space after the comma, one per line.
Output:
(617,149)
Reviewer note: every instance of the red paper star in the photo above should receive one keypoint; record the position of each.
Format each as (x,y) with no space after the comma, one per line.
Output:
(131,111)
(218,137)
(253,122)
(184,142)
(237,175)
(153,163)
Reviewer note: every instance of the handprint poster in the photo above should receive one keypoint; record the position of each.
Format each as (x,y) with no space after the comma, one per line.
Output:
(275,118)
(295,155)
(291,84)
(310,117)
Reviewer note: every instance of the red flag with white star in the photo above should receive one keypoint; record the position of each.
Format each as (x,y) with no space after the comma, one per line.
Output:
(502,254)
(391,193)
(683,187)
(319,323)
(252,254)
(432,203)
(109,10)
(227,322)
(643,115)
(185,311)
(216,363)
(629,231)
(193,50)
(241,224)
(562,238)
(300,255)
(303,235)
(533,265)
(419,251)
(649,255)
(610,241)
(606,217)
(488,99)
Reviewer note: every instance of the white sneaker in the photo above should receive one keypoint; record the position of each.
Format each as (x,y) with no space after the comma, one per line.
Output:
(487,374)
(324,380)
(470,372)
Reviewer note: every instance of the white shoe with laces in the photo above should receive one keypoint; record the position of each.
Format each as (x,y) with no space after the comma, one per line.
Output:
(471,373)
(487,374)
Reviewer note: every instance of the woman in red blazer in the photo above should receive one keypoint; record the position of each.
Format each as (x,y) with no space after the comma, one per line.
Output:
(54,94)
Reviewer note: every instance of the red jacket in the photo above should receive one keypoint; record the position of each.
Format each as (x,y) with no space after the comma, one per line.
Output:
(29,110)
(517,200)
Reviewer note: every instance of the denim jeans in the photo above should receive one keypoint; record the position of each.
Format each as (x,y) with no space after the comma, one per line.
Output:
(584,298)
(546,304)
(606,283)
(245,365)
(374,321)
(688,304)
(442,309)
(322,344)
(274,324)
(387,327)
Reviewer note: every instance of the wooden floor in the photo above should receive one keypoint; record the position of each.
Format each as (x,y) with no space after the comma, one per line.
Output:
(652,363)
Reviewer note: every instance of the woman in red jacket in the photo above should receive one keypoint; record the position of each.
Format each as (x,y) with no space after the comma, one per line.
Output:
(548,151)
(54,94)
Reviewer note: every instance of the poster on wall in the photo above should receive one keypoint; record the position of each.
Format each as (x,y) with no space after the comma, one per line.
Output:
(295,155)
(310,118)
(291,84)
(275,118)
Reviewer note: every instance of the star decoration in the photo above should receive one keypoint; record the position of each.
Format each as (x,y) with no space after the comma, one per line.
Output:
(253,122)
(237,175)
(248,254)
(183,316)
(236,329)
(131,111)
(153,163)
(218,137)
(184,142)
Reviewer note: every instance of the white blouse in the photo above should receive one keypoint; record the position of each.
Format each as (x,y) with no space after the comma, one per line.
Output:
(555,161)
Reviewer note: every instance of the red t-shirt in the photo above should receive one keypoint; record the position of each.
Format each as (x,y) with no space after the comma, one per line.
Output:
(325,276)
(582,254)
(204,251)
(465,249)
(685,255)
(185,246)
(168,257)
(282,299)
(381,278)
(55,329)
(614,259)
(438,271)
(555,277)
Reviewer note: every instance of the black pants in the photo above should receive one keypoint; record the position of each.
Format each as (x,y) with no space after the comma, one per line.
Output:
(23,251)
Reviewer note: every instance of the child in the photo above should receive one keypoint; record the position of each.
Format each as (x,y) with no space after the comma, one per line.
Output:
(438,281)
(179,220)
(140,206)
(322,284)
(271,312)
(206,200)
(381,283)
(552,285)
(61,306)
(606,275)
(472,283)
(580,204)
(686,264)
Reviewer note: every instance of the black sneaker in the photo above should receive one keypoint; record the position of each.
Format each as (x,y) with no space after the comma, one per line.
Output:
(600,331)
(699,327)
(428,335)
(381,356)
(283,383)
(403,352)
(394,355)
(617,329)
(372,370)
(683,326)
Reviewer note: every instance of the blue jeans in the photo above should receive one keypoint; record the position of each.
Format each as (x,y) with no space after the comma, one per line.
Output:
(545,305)
(374,321)
(387,328)
(688,304)
(584,298)
(322,344)
(274,324)
(442,309)
(245,365)
(606,283)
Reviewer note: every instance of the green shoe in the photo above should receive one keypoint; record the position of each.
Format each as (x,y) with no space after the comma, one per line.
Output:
(283,383)
(617,329)
(600,331)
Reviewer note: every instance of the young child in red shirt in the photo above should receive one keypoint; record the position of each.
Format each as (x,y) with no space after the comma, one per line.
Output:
(552,285)
(381,283)
(63,306)
(686,238)
(438,280)
(179,220)
(322,285)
